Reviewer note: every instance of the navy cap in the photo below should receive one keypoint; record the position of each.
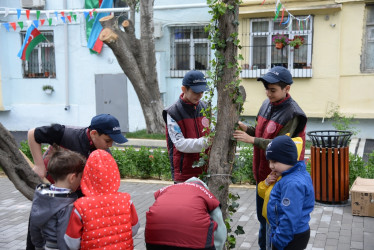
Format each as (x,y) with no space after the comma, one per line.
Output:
(109,125)
(277,74)
(282,149)
(196,81)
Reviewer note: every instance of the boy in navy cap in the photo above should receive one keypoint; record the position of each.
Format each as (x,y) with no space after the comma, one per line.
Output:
(278,115)
(185,127)
(292,197)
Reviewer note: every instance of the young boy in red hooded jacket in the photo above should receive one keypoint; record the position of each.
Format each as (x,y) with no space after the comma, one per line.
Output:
(104,217)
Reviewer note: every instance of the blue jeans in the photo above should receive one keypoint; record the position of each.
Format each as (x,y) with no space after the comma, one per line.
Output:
(268,236)
(262,220)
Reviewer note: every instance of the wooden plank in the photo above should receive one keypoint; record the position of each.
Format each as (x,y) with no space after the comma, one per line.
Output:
(330,174)
(323,174)
(341,173)
(346,186)
(336,174)
(318,175)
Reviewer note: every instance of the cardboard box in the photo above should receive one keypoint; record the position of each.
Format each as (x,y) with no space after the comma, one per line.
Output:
(362,197)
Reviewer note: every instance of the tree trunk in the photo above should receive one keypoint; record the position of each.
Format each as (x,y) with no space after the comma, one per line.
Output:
(222,154)
(138,61)
(16,166)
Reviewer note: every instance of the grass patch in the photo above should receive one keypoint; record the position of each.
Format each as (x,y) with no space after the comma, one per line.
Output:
(142,134)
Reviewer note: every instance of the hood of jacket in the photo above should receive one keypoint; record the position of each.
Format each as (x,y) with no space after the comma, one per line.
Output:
(46,205)
(100,175)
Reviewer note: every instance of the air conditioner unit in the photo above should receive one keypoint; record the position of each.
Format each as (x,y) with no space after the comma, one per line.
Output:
(33,4)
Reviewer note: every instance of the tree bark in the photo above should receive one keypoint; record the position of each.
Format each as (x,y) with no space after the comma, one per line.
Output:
(138,61)
(16,166)
(222,154)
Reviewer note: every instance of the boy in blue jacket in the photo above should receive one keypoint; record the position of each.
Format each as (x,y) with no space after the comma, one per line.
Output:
(292,197)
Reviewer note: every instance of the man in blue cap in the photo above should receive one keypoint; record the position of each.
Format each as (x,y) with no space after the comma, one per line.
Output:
(278,115)
(186,127)
(104,129)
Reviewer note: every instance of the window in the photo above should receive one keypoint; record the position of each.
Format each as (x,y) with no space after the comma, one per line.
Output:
(190,49)
(368,53)
(41,63)
(260,54)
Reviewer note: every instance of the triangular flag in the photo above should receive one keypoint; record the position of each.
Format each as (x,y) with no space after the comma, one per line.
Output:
(47,14)
(62,13)
(69,18)
(20,24)
(75,17)
(95,14)
(6,25)
(13,25)
(263,2)
(56,15)
(278,9)
(85,14)
(37,14)
(42,22)
(33,37)
(18,13)
(63,19)
(29,22)
(28,14)
(71,13)
(36,23)
(6,12)
(50,21)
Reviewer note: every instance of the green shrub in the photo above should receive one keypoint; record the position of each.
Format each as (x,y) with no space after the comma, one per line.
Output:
(242,169)
(26,150)
(160,163)
(359,168)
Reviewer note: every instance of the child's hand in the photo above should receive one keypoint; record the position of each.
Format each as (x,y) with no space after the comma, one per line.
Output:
(272,177)
(243,136)
(242,126)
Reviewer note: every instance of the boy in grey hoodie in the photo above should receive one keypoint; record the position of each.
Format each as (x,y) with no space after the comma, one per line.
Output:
(52,204)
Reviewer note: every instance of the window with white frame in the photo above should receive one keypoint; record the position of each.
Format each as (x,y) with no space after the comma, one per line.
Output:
(368,51)
(41,63)
(259,51)
(190,49)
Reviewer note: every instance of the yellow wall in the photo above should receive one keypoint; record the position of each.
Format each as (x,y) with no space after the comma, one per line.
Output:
(336,60)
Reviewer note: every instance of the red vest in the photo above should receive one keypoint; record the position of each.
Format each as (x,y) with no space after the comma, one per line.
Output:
(192,123)
(270,120)
(106,221)
(180,217)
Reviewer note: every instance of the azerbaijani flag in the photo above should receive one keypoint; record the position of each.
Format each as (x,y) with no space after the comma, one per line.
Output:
(94,43)
(33,37)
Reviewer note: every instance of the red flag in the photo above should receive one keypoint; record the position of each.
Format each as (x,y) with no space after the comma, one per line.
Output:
(42,21)
(13,25)
(28,14)
(62,13)
(69,18)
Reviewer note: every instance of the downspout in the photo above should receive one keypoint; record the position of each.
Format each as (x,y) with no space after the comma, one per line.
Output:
(67,104)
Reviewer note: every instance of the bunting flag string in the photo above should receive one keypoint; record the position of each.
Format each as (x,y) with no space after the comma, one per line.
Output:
(61,16)
(301,23)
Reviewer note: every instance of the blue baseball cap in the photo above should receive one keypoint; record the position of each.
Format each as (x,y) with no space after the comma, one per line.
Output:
(277,74)
(196,81)
(109,125)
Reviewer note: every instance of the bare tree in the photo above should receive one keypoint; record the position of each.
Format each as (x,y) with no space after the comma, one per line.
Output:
(16,166)
(137,59)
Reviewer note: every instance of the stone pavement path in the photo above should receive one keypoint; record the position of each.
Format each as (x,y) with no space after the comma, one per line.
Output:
(331,227)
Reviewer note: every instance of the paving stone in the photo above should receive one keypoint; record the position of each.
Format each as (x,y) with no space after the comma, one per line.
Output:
(357,245)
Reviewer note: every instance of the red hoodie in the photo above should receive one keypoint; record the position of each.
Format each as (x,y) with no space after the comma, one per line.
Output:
(103,217)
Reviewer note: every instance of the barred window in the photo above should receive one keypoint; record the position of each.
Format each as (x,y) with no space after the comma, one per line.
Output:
(41,63)
(260,53)
(368,53)
(190,49)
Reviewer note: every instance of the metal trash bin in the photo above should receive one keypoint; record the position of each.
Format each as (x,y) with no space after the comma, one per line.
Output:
(330,165)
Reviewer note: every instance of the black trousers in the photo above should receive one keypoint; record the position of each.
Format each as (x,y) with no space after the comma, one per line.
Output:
(299,242)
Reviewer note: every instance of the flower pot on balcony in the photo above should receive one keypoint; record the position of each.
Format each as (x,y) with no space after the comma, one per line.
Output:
(279,45)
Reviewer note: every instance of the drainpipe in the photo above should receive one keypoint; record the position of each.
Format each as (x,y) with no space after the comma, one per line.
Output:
(67,104)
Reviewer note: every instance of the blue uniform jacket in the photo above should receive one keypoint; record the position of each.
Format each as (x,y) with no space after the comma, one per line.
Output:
(290,204)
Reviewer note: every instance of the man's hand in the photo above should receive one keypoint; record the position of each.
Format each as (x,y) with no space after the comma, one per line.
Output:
(243,136)
(40,170)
